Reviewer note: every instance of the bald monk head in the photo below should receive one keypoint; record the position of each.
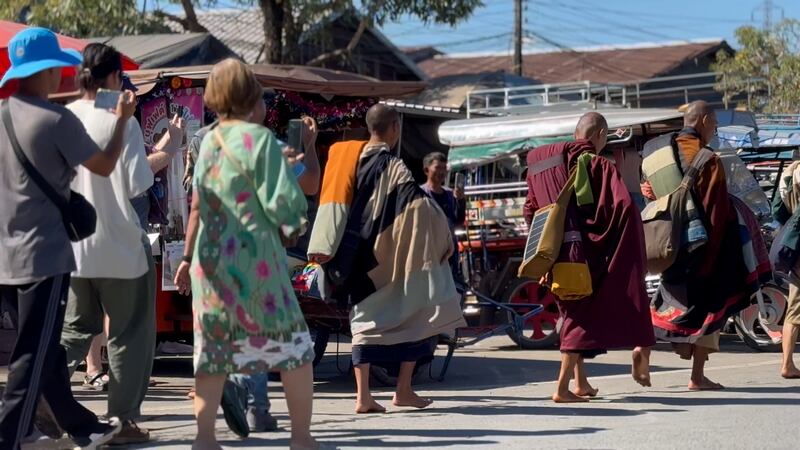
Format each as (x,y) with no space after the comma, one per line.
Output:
(383,124)
(700,116)
(593,127)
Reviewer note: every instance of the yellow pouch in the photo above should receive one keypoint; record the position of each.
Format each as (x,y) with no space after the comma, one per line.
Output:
(571,281)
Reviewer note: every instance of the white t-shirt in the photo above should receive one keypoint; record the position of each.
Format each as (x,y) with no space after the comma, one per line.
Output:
(116,249)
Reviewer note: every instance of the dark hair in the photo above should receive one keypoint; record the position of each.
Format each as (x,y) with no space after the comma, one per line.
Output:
(433,157)
(99,61)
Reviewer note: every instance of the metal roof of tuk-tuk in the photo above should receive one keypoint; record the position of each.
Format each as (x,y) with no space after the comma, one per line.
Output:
(476,142)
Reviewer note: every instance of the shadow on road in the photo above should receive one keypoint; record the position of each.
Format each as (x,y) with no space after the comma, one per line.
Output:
(521,410)
(688,400)
(766,389)
(374,438)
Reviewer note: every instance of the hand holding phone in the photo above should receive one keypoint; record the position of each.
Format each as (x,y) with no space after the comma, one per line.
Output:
(310,133)
(458,190)
(126,105)
(295,160)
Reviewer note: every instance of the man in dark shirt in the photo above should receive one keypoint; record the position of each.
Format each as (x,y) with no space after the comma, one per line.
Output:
(452,202)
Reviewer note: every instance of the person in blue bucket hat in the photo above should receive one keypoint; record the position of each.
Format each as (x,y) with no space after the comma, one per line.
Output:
(41,143)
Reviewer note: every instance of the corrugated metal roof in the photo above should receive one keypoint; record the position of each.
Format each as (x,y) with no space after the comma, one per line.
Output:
(168,50)
(240,29)
(603,65)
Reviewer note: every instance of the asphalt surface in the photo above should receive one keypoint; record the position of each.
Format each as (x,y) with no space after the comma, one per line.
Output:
(497,397)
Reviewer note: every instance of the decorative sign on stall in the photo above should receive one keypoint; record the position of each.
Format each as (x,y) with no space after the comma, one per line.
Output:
(154,120)
(156,113)
(188,103)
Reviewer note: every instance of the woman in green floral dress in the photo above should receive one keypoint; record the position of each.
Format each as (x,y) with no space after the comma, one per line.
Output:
(246,202)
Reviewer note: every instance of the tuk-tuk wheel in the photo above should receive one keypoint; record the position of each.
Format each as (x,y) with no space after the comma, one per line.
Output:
(541,330)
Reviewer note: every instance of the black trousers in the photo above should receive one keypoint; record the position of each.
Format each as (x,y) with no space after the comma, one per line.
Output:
(38,362)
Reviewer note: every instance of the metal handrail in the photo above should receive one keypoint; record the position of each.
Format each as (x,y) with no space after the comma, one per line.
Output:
(467,189)
(779,119)
(538,95)
(628,93)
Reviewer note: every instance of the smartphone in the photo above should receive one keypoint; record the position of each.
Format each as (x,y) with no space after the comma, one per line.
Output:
(107,99)
(459,183)
(294,134)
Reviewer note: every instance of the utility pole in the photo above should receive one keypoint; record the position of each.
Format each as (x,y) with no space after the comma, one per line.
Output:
(518,37)
(767,14)
(766,8)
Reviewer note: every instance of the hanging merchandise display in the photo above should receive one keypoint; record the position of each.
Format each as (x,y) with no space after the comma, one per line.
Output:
(338,113)
(168,198)
(153,120)
(188,104)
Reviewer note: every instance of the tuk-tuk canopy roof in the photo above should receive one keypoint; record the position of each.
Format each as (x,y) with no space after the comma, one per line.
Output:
(293,78)
(476,142)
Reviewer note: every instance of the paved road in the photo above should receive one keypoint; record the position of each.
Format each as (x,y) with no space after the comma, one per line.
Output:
(496,396)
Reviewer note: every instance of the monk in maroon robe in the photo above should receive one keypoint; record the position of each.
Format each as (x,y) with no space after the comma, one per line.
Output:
(617,313)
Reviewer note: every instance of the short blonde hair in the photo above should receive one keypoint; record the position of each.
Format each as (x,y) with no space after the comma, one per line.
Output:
(232,89)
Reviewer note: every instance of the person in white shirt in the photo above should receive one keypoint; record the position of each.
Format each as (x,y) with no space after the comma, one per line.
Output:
(115,274)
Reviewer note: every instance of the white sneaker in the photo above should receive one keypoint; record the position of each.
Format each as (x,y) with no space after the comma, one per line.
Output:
(102,434)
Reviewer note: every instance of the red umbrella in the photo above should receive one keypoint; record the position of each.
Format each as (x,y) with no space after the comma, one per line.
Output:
(68,84)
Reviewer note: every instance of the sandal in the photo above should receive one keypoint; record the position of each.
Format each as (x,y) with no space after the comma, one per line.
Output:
(96,382)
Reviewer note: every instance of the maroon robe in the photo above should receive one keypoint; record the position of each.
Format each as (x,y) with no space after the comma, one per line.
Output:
(617,314)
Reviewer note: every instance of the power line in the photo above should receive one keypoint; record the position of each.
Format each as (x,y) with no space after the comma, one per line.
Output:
(693,18)
(469,41)
(622,25)
(579,55)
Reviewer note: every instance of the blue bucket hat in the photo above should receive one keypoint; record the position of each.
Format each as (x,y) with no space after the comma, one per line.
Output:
(33,50)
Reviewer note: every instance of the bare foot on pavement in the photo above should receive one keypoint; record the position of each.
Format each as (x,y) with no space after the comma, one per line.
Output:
(641,366)
(411,400)
(705,385)
(791,373)
(368,407)
(585,391)
(568,397)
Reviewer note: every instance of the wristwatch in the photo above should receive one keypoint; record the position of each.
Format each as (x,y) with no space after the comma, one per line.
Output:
(186,258)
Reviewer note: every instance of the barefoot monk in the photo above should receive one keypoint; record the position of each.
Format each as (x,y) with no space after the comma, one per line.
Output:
(607,227)
(703,288)
(385,246)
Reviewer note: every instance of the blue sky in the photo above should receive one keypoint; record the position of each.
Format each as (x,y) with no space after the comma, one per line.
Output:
(585,23)
(582,23)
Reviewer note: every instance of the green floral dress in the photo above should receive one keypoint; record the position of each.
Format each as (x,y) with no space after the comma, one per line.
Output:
(246,316)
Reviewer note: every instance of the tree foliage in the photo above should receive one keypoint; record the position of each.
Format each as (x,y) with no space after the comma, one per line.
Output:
(82,18)
(286,20)
(765,70)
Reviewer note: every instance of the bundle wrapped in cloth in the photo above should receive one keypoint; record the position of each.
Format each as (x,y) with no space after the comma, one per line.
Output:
(308,280)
